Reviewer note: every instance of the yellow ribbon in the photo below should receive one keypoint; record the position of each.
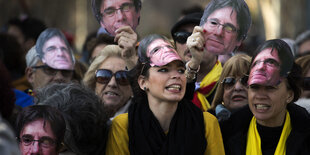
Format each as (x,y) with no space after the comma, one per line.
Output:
(254,141)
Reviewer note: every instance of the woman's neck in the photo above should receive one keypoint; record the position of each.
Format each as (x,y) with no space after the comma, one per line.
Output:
(163,111)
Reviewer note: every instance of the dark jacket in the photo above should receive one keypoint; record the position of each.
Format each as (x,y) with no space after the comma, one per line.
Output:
(234,131)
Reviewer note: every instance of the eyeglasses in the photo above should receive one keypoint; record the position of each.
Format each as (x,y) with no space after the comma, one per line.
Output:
(125,7)
(229,82)
(228,28)
(306,85)
(104,76)
(52,72)
(268,62)
(46,142)
(181,37)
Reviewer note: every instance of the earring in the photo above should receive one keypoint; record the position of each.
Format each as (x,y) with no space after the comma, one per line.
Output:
(146,89)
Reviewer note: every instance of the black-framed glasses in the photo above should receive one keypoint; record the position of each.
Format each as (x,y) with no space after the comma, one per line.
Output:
(306,85)
(229,82)
(46,142)
(181,36)
(52,72)
(104,76)
(125,7)
(227,27)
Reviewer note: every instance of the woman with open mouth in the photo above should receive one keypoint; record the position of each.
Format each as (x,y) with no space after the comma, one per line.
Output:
(272,123)
(160,120)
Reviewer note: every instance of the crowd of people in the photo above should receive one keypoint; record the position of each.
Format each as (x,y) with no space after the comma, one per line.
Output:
(196,93)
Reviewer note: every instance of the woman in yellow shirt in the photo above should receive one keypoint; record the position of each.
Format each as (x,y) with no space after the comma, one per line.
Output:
(160,121)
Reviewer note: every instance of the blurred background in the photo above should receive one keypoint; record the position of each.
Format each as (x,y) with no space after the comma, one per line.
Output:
(271,18)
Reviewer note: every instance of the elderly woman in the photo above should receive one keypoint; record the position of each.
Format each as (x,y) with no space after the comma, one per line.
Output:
(271,123)
(160,120)
(231,92)
(107,76)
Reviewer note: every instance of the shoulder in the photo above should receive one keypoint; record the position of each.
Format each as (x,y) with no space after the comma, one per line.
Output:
(120,121)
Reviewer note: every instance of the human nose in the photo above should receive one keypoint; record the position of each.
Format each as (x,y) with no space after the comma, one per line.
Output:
(59,77)
(35,147)
(219,29)
(112,83)
(260,65)
(59,52)
(239,86)
(120,14)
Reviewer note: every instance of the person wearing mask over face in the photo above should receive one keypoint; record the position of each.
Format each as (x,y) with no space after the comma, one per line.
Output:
(51,60)
(119,18)
(231,92)
(107,76)
(223,27)
(160,121)
(40,129)
(271,123)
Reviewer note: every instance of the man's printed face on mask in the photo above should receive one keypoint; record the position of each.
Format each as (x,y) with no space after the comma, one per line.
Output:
(57,54)
(265,69)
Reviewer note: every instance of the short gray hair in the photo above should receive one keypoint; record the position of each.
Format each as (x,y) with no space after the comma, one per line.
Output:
(32,57)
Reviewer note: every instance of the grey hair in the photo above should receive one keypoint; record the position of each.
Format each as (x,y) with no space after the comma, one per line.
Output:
(83,111)
(32,57)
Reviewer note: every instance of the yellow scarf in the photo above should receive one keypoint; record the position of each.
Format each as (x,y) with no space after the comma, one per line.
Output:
(207,86)
(253,146)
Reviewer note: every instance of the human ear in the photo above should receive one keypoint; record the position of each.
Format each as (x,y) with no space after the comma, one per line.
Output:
(142,81)
(29,72)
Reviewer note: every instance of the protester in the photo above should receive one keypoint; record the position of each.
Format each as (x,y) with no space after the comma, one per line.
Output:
(40,129)
(231,92)
(86,120)
(119,24)
(223,27)
(159,120)
(107,76)
(302,43)
(271,123)
(304,62)
(51,60)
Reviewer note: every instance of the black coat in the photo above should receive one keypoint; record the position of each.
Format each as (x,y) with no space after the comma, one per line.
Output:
(234,131)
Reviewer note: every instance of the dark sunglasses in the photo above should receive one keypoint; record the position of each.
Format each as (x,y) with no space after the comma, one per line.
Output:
(181,36)
(52,72)
(306,85)
(104,76)
(229,82)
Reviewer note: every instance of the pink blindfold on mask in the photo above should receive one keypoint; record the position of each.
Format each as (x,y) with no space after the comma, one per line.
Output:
(163,58)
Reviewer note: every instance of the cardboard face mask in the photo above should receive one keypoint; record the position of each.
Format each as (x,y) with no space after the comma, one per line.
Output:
(56,54)
(161,53)
(265,69)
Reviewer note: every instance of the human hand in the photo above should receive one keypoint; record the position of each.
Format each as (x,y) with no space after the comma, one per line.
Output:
(195,44)
(126,39)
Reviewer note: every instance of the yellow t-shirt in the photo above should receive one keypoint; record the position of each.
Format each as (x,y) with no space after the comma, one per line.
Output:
(118,136)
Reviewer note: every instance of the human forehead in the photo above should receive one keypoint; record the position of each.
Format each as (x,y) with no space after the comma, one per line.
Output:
(39,128)
(56,40)
(267,53)
(113,63)
(157,43)
(113,3)
(225,15)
